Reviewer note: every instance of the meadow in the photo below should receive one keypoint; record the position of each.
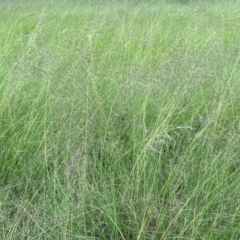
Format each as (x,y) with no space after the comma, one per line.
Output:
(120,120)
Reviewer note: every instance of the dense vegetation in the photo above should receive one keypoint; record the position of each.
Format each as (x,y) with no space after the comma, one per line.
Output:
(119,120)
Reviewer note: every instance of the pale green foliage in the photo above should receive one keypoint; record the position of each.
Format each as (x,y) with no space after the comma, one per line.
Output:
(119,120)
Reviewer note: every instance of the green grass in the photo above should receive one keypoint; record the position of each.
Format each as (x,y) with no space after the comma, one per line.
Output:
(100,120)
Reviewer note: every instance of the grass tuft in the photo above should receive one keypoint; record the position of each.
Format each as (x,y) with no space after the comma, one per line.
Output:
(119,120)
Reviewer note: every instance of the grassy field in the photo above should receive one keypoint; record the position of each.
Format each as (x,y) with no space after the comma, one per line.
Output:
(120,120)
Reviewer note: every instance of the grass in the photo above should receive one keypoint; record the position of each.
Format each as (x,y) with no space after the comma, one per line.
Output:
(119,120)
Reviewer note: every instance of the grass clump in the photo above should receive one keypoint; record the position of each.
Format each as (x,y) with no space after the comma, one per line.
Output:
(119,120)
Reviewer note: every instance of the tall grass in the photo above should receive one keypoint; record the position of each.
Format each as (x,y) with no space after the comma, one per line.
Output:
(119,120)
